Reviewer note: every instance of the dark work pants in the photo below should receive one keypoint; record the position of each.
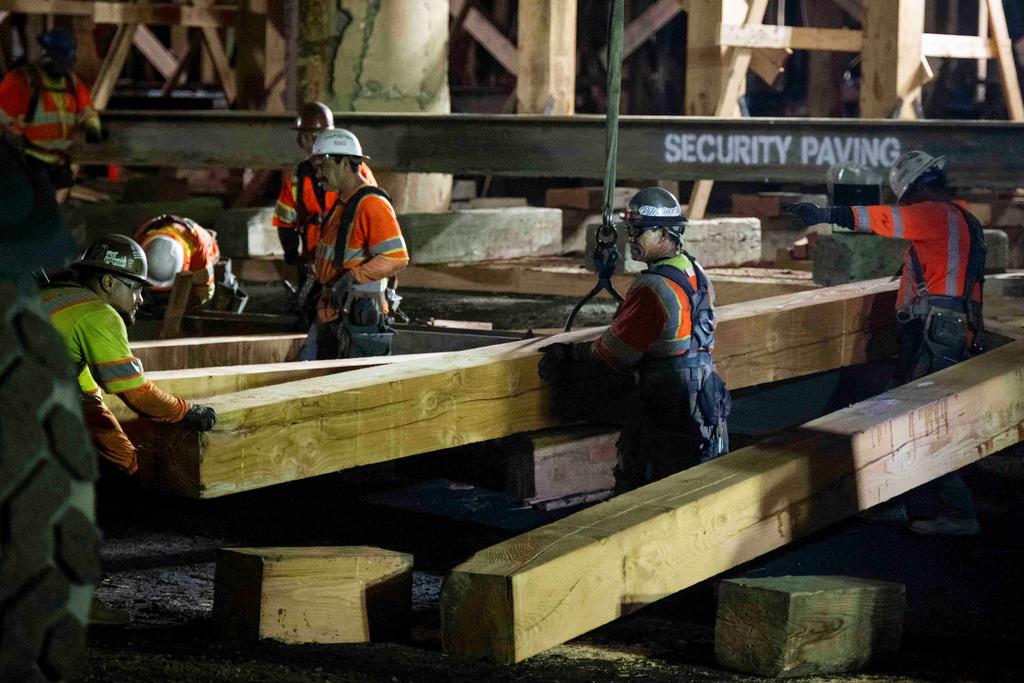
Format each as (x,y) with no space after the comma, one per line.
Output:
(666,432)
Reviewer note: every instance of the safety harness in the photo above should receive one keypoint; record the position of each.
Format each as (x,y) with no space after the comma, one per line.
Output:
(305,170)
(35,81)
(702,314)
(975,275)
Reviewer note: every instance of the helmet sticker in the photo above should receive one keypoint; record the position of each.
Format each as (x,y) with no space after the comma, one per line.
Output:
(658,211)
(112,258)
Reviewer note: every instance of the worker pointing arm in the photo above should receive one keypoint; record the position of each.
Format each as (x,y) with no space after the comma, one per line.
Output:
(92,314)
(938,305)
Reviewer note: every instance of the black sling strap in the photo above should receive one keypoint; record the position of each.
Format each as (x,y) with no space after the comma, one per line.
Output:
(348,215)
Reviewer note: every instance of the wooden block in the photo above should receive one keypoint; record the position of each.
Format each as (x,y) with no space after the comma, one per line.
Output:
(771,204)
(589,199)
(806,625)
(554,583)
(207,352)
(556,463)
(347,594)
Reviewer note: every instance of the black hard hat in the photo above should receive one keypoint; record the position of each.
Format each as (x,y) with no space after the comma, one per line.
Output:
(314,117)
(654,207)
(118,255)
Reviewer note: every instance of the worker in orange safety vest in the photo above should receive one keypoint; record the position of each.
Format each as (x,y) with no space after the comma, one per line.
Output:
(175,244)
(361,248)
(938,305)
(304,202)
(664,330)
(43,104)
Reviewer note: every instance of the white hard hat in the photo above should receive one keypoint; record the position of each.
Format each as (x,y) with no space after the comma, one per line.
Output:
(909,167)
(166,259)
(338,141)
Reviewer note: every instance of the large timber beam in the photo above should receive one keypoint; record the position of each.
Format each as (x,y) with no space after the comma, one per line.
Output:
(170,14)
(552,584)
(199,383)
(315,426)
(209,352)
(679,148)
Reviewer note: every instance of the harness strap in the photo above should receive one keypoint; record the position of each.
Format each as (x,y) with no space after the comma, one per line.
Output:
(679,277)
(303,171)
(348,216)
(35,80)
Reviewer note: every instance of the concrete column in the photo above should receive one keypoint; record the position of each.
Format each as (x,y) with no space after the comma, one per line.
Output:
(392,56)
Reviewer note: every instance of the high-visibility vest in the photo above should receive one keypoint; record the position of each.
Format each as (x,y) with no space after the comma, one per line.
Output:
(45,111)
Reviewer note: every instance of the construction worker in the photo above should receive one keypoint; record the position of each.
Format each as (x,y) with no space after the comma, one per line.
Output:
(360,247)
(92,314)
(175,244)
(43,104)
(304,202)
(938,305)
(665,330)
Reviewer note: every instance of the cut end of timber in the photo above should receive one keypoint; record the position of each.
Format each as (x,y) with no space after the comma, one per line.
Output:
(476,619)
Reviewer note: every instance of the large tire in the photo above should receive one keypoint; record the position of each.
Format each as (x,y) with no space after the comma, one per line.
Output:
(49,546)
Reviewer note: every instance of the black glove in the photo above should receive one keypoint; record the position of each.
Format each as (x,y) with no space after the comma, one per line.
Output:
(94,137)
(290,244)
(200,418)
(805,214)
(340,289)
(567,361)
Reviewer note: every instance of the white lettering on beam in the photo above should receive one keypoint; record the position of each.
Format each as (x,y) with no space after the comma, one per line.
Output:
(770,150)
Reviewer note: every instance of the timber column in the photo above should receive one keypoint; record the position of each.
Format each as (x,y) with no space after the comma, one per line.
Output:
(707,69)
(892,66)
(547,57)
(381,56)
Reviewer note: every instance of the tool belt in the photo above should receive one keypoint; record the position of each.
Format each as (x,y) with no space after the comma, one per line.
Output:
(364,331)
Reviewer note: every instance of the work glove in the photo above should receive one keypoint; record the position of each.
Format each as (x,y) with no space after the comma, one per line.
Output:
(805,214)
(200,418)
(94,137)
(340,289)
(567,361)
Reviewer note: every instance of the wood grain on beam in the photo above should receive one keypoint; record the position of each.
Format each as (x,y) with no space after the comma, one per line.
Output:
(489,38)
(552,584)
(546,61)
(200,383)
(316,426)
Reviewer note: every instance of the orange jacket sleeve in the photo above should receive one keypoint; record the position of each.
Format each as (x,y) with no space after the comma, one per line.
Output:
(376,230)
(110,440)
(915,222)
(154,403)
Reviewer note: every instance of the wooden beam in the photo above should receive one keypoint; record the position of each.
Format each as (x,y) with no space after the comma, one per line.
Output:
(731,83)
(316,426)
(546,61)
(103,88)
(208,352)
(542,588)
(221,63)
(797,38)
(180,69)
(650,21)
(170,327)
(489,38)
(891,59)
(1004,59)
(200,383)
(155,52)
(251,41)
(169,14)
(937,45)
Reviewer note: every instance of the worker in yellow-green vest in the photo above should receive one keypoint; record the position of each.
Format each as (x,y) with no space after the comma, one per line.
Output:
(92,313)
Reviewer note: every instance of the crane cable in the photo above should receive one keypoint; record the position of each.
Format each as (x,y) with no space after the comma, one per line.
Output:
(606,253)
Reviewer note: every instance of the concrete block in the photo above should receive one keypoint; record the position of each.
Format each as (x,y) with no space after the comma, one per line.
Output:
(245,233)
(997,251)
(89,221)
(849,257)
(714,242)
(347,594)
(482,234)
(806,625)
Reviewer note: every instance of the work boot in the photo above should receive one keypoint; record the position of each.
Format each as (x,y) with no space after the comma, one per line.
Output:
(946,526)
(890,513)
(102,614)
